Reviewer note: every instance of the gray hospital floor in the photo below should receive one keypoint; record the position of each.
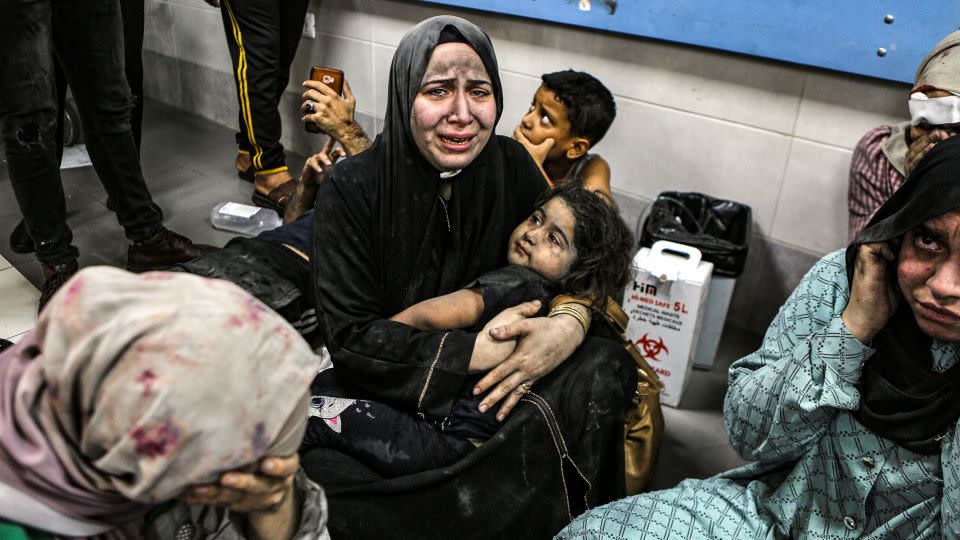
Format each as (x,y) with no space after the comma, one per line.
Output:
(188,164)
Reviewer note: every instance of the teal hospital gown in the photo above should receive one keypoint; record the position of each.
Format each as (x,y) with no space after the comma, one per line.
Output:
(817,472)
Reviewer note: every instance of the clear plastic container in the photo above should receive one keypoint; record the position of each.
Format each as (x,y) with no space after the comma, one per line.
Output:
(243,218)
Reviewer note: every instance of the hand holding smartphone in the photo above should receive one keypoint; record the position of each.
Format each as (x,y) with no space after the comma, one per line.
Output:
(332,78)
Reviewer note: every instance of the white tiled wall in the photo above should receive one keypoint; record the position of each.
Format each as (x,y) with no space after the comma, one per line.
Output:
(775,136)
(772,135)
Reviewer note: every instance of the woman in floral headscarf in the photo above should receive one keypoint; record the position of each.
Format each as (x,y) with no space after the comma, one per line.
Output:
(134,388)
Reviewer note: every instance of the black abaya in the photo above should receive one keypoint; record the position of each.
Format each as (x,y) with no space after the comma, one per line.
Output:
(383,240)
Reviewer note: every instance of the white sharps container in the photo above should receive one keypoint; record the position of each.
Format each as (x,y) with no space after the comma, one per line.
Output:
(665,306)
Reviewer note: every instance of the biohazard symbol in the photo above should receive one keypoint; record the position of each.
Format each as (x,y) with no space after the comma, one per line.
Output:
(652,348)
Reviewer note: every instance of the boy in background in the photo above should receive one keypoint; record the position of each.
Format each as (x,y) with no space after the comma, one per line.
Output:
(570,114)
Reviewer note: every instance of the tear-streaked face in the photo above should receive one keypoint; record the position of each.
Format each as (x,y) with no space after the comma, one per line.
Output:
(455,109)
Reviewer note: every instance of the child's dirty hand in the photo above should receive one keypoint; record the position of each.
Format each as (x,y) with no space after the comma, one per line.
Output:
(537,151)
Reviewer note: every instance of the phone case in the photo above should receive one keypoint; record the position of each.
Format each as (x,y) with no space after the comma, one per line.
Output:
(330,77)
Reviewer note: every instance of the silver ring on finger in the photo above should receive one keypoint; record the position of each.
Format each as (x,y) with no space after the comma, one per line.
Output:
(308,107)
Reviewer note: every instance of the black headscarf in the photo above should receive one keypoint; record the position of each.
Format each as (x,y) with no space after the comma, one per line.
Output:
(384,240)
(382,243)
(902,398)
(410,202)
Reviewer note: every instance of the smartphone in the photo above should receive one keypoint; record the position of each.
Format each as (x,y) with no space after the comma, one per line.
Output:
(330,77)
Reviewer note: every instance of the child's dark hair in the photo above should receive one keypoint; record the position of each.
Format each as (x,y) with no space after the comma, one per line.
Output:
(589,104)
(604,244)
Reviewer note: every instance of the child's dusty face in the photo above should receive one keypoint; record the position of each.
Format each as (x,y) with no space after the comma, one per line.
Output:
(547,119)
(544,241)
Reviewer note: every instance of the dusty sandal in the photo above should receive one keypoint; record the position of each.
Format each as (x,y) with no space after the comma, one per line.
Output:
(278,198)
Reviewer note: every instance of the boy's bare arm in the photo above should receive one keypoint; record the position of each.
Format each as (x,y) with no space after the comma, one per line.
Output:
(459,309)
(596,176)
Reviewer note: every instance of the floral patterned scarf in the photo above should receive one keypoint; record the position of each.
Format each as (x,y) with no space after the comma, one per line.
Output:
(133,387)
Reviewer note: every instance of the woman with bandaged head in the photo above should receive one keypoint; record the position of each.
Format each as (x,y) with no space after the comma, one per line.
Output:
(885,155)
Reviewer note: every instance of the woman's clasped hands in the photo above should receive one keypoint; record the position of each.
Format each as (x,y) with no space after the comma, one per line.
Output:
(541,344)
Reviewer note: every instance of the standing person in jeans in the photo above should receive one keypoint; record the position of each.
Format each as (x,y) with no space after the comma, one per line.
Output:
(263,36)
(132,12)
(86,38)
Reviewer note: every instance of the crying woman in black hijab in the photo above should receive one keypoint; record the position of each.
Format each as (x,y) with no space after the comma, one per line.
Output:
(427,209)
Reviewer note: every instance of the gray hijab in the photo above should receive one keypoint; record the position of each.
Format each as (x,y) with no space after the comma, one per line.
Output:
(411,59)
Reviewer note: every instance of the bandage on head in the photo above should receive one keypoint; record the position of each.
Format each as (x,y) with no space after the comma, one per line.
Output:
(940,111)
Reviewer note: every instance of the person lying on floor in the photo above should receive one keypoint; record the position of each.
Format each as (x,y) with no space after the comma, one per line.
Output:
(274,266)
(133,388)
(574,243)
(850,407)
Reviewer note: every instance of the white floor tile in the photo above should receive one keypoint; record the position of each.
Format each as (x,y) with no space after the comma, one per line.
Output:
(4,264)
(17,337)
(18,308)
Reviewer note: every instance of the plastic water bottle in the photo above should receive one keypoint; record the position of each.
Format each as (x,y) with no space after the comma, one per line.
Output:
(243,218)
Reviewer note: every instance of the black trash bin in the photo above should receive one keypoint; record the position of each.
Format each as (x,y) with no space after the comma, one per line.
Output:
(721,230)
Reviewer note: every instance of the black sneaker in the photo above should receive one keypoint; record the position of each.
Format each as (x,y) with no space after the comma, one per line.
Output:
(53,278)
(20,241)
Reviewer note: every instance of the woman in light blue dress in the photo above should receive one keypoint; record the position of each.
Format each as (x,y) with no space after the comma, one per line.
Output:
(849,407)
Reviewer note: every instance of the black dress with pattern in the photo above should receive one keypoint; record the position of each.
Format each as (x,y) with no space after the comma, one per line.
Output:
(383,241)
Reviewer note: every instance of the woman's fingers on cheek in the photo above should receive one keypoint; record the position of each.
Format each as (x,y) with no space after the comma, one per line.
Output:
(200,494)
(220,496)
(281,467)
(887,253)
(259,505)
(240,481)
(250,483)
